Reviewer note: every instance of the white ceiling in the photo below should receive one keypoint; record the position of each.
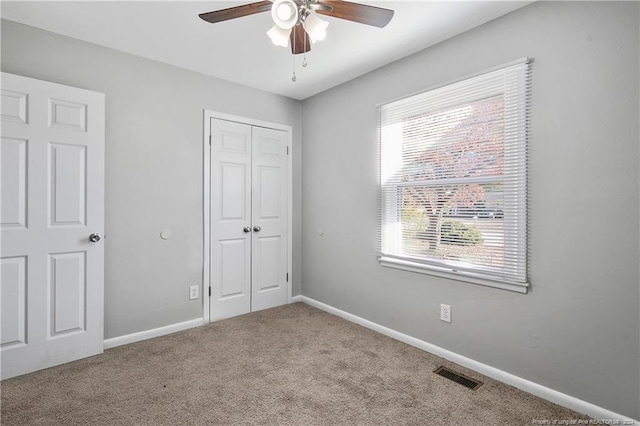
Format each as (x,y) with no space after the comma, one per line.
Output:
(240,51)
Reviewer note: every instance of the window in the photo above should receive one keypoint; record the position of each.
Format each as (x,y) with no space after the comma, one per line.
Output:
(452,181)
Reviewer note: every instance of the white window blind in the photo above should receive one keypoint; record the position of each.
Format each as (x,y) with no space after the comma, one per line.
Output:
(452,181)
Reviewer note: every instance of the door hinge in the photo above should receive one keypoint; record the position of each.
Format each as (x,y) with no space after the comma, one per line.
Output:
(287,277)
(209,291)
(209,139)
(287,150)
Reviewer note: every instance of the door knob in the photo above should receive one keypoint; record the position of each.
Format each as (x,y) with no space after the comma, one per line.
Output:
(94,238)
(247,229)
(256,229)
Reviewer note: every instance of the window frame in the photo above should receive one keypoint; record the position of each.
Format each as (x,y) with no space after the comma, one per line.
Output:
(515,234)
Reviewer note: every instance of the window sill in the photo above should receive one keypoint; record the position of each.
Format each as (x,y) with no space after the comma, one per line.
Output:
(406,265)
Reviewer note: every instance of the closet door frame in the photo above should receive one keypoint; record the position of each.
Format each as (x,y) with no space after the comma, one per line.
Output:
(206,133)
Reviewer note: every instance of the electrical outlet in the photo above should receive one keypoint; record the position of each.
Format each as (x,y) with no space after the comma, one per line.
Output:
(445,313)
(193,292)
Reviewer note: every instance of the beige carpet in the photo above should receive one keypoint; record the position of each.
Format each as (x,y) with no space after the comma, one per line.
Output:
(293,365)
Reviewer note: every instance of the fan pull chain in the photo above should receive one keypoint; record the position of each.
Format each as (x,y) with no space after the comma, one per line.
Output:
(293,78)
(304,59)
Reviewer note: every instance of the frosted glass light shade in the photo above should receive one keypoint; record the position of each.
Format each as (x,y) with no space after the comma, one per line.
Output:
(315,27)
(284,13)
(279,36)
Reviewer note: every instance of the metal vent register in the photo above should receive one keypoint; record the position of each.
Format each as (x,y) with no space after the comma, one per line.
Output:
(458,378)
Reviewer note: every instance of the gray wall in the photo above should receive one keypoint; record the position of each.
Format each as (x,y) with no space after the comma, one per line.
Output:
(577,331)
(154,166)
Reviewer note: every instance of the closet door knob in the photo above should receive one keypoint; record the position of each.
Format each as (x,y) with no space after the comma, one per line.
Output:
(247,229)
(256,229)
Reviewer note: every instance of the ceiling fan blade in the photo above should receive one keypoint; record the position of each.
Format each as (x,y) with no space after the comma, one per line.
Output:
(356,12)
(299,40)
(236,12)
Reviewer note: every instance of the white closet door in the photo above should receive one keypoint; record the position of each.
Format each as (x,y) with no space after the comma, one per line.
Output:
(52,274)
(249,175)
(230,219)
(269,213)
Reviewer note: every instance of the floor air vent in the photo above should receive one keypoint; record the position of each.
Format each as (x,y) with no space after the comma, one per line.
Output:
(458,378)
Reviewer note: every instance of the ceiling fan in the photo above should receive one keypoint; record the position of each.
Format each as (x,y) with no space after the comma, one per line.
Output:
(296,21)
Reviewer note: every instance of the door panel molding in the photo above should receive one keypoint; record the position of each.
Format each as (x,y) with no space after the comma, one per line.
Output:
(266,150)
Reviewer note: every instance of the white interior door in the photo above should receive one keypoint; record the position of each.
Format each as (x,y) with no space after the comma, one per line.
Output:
(269,213)
(52,183)
(249,214)
(230,219)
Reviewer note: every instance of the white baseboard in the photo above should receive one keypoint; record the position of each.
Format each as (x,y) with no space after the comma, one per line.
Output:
(161,331)
(549,394)
(148,334)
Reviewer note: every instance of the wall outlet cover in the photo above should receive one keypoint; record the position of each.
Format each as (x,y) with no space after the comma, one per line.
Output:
(445,312)
(193,292)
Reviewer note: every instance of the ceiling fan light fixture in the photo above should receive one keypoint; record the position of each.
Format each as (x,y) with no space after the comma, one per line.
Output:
(315,27)
(279,36)
(285,13)
(296,22)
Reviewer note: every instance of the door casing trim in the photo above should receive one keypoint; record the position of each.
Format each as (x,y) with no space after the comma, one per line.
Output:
(206,193)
